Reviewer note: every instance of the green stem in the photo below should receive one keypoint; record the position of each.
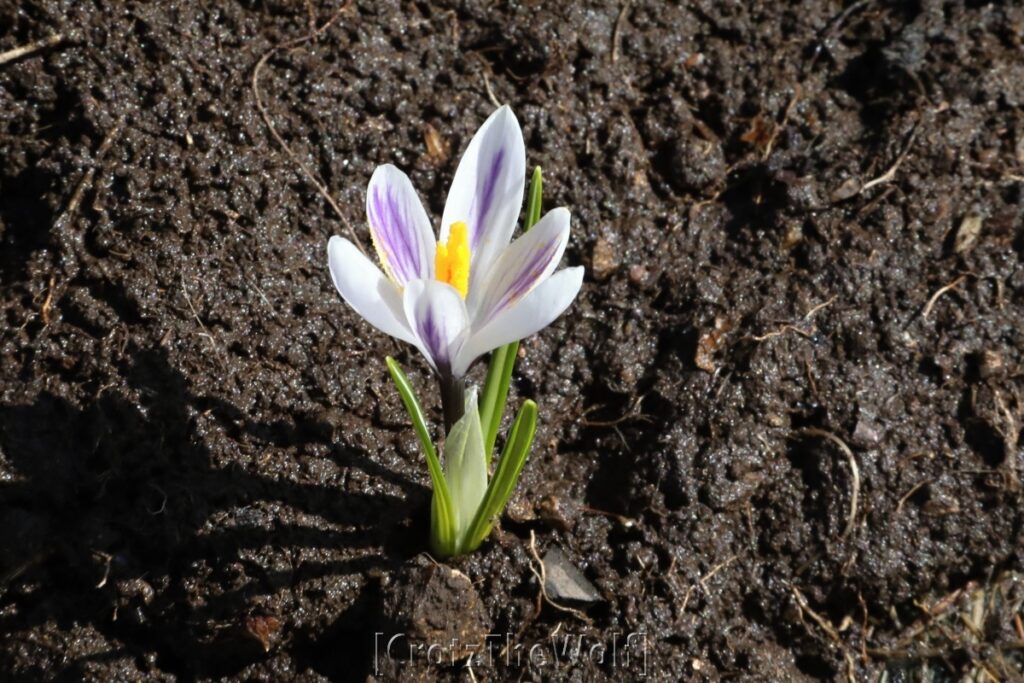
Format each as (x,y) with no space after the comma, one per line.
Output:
(503,360)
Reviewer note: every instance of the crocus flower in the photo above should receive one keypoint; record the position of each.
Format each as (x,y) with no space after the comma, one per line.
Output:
(471,291)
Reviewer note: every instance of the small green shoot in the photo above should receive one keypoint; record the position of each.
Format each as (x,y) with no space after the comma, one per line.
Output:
(465,504)
(442,523)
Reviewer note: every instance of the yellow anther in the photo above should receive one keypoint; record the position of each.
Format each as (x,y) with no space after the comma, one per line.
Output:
(452,260)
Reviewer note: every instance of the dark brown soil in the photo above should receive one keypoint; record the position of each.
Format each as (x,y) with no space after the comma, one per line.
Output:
(779,426)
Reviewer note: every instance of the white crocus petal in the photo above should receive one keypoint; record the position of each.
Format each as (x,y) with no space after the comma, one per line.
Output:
(437,315)
(487,191)
(522,266)
(365,288)
(535,311)
(465,466)
(399,226)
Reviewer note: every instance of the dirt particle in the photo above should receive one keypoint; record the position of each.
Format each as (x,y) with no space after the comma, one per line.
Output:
(603,259)
(435,605)
(709,344)
(990,364)
(865,433)
(760,133)
(849,188)
(967,234)
(639,274)
(438,148)
(262,629)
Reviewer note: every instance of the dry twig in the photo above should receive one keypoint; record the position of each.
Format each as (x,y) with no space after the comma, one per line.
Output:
(29,48)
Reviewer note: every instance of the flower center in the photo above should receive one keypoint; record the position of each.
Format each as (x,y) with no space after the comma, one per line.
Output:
(452,261)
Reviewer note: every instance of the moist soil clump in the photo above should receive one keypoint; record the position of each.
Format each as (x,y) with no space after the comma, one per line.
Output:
(780,427)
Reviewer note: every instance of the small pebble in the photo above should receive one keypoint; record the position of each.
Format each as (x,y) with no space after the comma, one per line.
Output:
(563,581)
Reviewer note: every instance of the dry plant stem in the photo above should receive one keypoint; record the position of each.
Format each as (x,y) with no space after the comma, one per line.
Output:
(44,312)
(1010,431)
(29,48)
(453,400)
(306,171)
(485,69)
(854,473)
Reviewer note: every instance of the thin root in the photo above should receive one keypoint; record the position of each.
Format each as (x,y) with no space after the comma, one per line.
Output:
(487,86)
(821,621)
(632,412)
(542,579)
(794,328)
(942,290)
(76,197)
(306,171)
(797,92)
(891,173)
(854,474)
(810,313)
(703,581)
(617,32)
(914,489)
(781,331)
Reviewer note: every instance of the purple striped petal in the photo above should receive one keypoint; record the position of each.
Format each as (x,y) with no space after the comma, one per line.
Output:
(366,290)
(532,313)
(399,226)
(437,314)
(483,200)
(522,266)
(487,191)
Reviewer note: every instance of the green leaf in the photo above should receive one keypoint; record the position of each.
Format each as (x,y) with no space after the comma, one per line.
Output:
(503,360)
(513,457)
(492,406)
(465,467)
(442,518)
(533,202)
